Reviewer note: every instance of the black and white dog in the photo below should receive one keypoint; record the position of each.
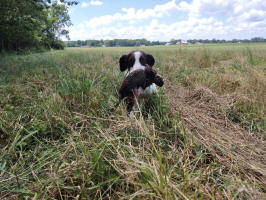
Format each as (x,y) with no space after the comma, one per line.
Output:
(138,61)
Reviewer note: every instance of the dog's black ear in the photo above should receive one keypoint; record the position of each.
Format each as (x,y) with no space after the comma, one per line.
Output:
(150,59)
(123,63)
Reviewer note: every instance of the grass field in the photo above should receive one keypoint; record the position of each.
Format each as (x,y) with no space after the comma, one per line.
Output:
(201,137)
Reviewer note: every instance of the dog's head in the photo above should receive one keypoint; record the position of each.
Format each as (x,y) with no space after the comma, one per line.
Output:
(135,60)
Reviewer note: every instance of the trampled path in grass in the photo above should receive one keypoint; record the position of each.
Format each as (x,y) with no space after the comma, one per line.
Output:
(240,150)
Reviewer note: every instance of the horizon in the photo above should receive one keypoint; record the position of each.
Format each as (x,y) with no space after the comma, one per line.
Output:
(163,20)
(209,39)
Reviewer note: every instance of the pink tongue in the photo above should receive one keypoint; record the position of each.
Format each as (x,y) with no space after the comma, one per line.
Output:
(137,91)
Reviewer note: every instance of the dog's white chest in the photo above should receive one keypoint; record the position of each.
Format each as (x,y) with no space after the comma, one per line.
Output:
(149,91)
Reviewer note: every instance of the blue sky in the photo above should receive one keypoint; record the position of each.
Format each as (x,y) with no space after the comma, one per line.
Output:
(167,19)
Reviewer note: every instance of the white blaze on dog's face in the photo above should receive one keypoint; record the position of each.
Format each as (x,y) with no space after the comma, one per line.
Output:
(137,65)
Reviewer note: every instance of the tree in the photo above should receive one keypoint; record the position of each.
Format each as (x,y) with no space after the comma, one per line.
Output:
(33,23)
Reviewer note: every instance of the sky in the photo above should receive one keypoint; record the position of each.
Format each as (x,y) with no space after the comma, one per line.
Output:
(163,20)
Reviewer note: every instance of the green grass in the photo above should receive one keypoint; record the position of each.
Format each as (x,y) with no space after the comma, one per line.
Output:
(59,139)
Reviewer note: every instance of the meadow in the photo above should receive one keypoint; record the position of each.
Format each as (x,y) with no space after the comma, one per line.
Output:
(202,136)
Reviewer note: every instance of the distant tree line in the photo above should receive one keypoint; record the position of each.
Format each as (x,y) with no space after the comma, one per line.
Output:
(112,43)
(255,39)
(33,24)
(142,42)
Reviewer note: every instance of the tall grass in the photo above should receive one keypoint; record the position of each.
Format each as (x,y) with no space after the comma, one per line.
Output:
(59,140)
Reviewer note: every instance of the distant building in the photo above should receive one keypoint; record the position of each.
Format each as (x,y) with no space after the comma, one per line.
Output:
(167,44)
(182,42)
(198,43)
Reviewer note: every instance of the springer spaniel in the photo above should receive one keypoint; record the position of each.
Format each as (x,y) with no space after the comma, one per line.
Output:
(143,82)
(135,83)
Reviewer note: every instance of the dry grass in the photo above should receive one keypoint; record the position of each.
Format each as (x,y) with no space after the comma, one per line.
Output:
(204,114)
(201,137)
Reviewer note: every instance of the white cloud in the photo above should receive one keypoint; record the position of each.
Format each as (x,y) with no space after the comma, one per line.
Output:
(84,4)
(132,14)
(211,6)
(220,7)
(221,19)
(185,29)
(253,15)
(132,21)
(96,3)
(92,3)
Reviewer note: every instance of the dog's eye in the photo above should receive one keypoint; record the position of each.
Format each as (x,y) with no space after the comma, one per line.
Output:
(131,62)
(141,60)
